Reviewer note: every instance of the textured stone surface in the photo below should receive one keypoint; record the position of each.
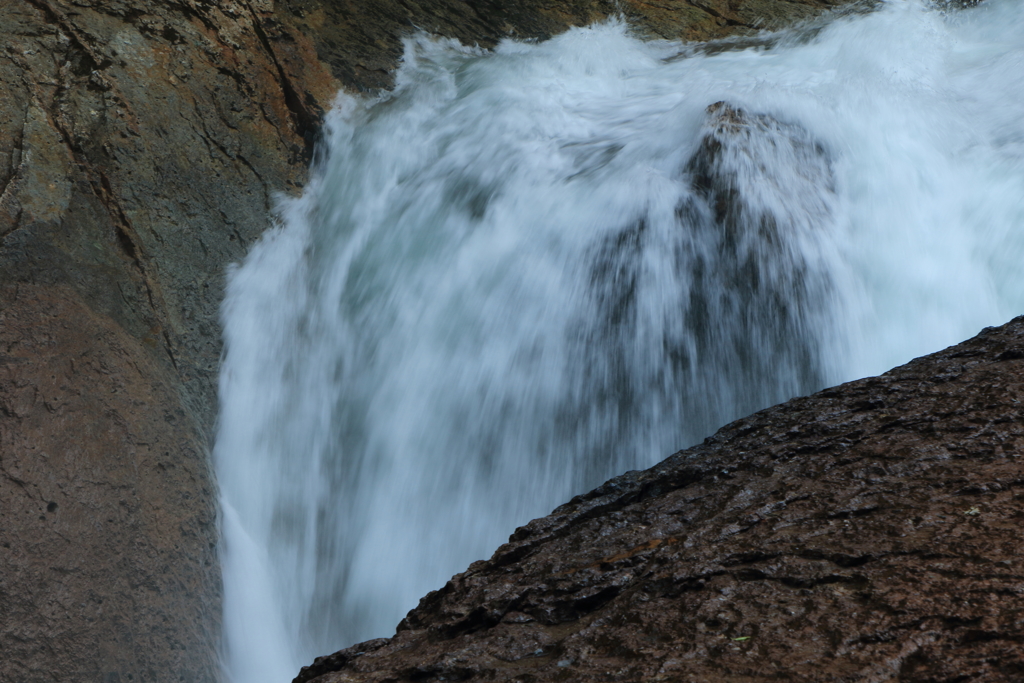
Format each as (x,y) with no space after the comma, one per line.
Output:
(107,528)
(140,147)
(870,532)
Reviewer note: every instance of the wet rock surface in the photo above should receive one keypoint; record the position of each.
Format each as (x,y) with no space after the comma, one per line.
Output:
(868,532)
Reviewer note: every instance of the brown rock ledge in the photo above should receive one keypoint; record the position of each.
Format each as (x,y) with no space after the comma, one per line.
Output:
(870,532)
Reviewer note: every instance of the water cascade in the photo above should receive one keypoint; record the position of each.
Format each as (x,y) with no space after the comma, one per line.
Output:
(527,270)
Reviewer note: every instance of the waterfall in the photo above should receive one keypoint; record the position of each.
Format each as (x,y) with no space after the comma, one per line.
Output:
(527,270)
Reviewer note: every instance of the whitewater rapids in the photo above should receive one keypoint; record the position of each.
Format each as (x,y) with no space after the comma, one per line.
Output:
(527,270)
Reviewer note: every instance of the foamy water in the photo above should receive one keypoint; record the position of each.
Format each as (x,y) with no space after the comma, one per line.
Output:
(528,270)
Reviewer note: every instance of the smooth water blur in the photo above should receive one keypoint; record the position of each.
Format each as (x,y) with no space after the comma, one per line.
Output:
(531,269)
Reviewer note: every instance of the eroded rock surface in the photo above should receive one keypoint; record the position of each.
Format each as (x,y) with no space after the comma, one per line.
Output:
(140,147)
(870,532)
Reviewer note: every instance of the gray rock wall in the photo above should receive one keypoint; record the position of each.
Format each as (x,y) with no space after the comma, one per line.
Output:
(140,147)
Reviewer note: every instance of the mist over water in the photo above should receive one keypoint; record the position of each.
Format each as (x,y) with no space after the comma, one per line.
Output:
(528,270)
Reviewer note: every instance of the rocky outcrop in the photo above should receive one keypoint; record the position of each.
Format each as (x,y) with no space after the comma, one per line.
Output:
(870,532)
(107,566)
(142,143)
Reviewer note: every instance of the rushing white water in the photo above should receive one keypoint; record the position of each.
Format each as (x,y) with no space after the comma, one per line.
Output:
(530,269)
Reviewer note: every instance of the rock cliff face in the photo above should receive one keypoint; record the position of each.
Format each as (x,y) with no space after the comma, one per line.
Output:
(870,532)
(141,145)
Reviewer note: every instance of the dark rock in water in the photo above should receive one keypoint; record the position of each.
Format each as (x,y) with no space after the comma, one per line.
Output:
(760,304)
(756,292)
(869,532)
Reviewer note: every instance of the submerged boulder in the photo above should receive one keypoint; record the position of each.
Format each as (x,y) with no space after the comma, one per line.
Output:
(868,532)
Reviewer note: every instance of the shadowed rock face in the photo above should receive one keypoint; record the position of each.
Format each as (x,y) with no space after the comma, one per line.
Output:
(869,532)
(141,145)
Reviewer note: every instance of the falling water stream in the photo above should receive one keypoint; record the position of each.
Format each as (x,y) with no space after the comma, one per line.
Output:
(529,269)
